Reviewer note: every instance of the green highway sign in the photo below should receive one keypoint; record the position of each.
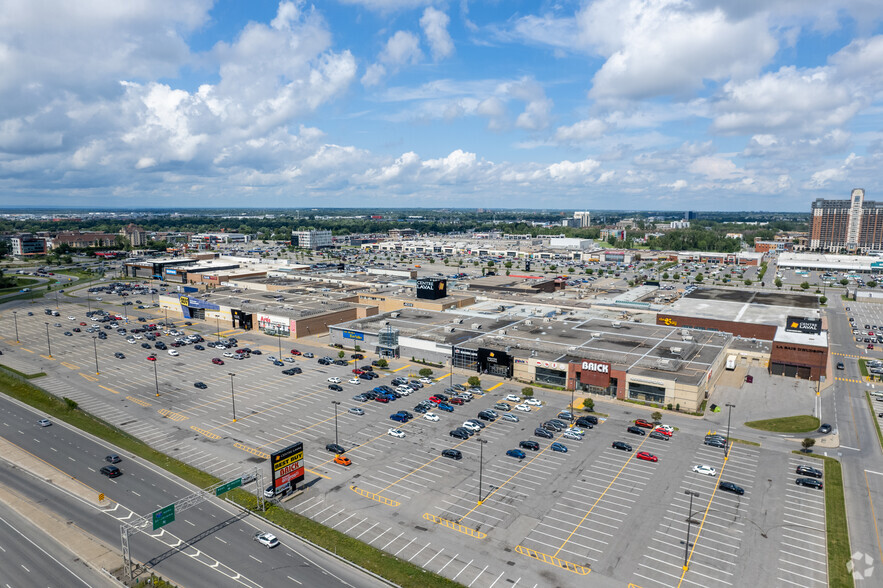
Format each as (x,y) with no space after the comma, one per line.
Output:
(228,486)
(163,516)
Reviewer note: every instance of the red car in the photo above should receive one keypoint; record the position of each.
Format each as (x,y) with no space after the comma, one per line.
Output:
(435,399)
(217,361)
(457,401)
(663,431)
(295,352)
(358,372)
(151,358)
(82,324)
(644,423)
(646,456)
(382,399)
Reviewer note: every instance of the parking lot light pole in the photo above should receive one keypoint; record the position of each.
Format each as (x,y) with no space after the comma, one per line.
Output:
(218,327)
(233,396)
(88,301)
(691,494)
(335,403)
(730,408)
(15,319)
(56,299)
(155,376)
(481,443)
(48,343)
(95,347)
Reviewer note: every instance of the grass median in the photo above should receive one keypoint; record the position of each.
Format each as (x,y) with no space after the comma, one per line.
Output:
(405,574)
(874,417)
(793,424)
(839,552)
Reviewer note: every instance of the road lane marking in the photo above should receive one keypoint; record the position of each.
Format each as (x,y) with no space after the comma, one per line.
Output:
(108,389)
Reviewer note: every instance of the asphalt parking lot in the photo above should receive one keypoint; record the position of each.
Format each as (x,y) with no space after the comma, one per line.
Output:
(582,507)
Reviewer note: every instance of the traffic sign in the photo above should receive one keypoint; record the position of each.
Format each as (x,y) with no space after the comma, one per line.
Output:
(163,516)
(228,486)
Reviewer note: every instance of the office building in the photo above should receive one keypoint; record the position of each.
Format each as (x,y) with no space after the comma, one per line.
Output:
(27,244)
(135,235)
(312,239)
(583,219)
(850,226)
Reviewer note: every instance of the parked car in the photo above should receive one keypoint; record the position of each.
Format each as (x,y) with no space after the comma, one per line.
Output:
(809,483)
(730,487)
(622,446)
(706,470)
(452,453)
(808,471)
(646,456)
(516,453)
(532,445)
(335,448)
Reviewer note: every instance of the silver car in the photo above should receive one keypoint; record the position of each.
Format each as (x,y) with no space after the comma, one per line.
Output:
(510,417)
(357,410)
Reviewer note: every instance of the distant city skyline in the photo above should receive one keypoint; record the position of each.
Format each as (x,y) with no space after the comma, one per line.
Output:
(663,105)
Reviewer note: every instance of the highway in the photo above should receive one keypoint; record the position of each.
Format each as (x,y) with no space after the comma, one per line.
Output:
(207,546)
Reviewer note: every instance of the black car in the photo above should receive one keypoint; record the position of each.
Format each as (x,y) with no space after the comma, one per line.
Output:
(335,448)
(145,345)
(460,433)
(256,352)
(357,356)
(113,458)
(730,487)
(421,409)
(335,387)
(540,432)
(340,362)
(199,347)
(808,471)
(452,453)
(719,443)
(119,355)
(809,482)
(636,430)
(200,385)
(288,372)
(825,429)
(487,416)
(111,471)
(532,445)
(621,445)
(586,423)
(658,435)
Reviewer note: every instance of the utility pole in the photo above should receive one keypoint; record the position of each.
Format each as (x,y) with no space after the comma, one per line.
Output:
(691,494)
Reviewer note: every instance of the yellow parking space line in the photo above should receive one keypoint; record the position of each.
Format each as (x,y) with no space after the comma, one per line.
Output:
(88,377)
(175,416)
(440,378)
(494,387)
(454,525)
(205,433)
(552,560)
(597,500)
(69,366)
(317,473)
(108,389)
(49,357)
(704,516)
(229,331)
(374,496)
(143,403)
(402,368)
(251,450)
(274,407)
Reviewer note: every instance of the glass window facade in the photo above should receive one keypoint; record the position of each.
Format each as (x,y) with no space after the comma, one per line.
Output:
(646,392)
(553,377)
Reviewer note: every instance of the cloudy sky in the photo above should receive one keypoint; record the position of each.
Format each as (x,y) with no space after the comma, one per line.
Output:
(605,104)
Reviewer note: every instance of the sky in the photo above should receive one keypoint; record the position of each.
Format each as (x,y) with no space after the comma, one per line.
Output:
(568,104)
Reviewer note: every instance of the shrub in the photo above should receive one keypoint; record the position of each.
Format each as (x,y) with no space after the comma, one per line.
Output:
(425,372)
(527,391)
(656,416)
(382,363)
(474,381)
(341,354)
(669,406)
(71,404)
(589,404)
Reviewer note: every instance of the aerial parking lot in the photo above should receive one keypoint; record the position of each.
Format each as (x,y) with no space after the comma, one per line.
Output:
(512,510)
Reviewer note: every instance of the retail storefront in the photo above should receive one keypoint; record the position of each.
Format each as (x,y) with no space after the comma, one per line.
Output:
(595,377)
(495,362)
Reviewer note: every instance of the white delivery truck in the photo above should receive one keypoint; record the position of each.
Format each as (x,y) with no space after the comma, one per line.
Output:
(731,362)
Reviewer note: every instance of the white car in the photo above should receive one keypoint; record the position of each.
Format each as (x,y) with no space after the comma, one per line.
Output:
(533,402)
(522,407)
(430,416)
(666,428)
(71,318)
(138,337)
(354,381)
(406,391)
(398,433)
(174,352)
(267,539)
(572,435)
(229,354)
(425,380)
(130,341)
(705,469)
(513,398)
(334,380)
(469,426)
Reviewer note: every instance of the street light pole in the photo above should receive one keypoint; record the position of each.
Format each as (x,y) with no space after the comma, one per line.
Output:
(481,443)
(218,327)
(15,319)
(88,301)
(48,343)
(155,376)
(56,299)
(730,406)
(335,403)
(233,396)
(95,347)
(691,494)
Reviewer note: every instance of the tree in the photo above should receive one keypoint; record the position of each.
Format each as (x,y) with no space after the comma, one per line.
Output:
(382,363)
(778,282)
(589,404)
(805,285)
(823,300)
(807,444)
(491,263)
(474,381)
(664,275)
(844,282)
(699,277)
(676,276)
(341,354)
(527,391)
(656,416)
(872,284)
(508,264)
(425,372)
(747,282)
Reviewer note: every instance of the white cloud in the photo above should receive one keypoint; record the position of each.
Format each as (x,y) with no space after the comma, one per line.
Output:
(677,185)
(537,110)
(668,47)
(823,178)
(435,27)
(495,110)
(715,167)
(573,171)
(401,49)
(584,130)
(373,75)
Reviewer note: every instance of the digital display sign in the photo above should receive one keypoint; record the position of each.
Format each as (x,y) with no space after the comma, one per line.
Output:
(288,465)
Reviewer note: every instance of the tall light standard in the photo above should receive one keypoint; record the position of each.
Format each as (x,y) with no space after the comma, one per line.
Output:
(56,299)
(15,319)
(481,443)
(48,343)
(279,341)
(95,348)
(730,408)
(88,301)
(335,403)
(155,376)
(218,325)
(233,396)
(691,494)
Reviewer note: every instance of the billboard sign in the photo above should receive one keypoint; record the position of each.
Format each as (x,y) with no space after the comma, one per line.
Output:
(172,272)
(274,325)
(593,373)
(288,465)
(798,324)
(431,288)
(596,366)
(354,335)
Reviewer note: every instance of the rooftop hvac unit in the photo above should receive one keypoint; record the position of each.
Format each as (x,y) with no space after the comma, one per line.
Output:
(596,335)
(449,329)
(476,326)
(616,324)
(503,332)
(685,332)
(571,349)
(386,323)
(394,315)
(676,350)
(528,322)
(688,337)
(547,320)
(459,321)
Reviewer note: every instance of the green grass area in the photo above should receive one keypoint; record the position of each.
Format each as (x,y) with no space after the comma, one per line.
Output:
(744,442)
(793,424)
(874,417)
(19,283)
(383,564)
(863,367)
(22,374)
(32,295)
(839,552)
